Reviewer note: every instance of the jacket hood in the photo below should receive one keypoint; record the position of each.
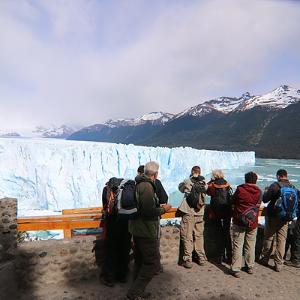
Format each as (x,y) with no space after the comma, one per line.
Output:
(196,179)
(220,183)
(252,189)
(143,178)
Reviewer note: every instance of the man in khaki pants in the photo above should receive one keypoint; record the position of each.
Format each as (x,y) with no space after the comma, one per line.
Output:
(275,228)
(192,225)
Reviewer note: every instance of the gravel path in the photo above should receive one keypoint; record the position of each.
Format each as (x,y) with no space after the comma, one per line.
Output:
(176,283)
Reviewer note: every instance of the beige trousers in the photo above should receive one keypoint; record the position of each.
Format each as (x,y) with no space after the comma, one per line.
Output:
(275,232)
(191,236)
(243,238)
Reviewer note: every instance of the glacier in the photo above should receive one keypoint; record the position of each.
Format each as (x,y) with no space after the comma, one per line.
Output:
(51,175)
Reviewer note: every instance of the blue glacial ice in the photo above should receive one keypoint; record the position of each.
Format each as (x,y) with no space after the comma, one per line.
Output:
(54,174)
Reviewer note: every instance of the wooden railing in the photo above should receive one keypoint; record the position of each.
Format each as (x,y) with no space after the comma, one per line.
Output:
(78,218)
(70,219)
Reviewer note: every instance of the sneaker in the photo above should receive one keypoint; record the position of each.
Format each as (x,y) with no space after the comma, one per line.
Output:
(277,268)
(235,274)
(187,264)
(292,263)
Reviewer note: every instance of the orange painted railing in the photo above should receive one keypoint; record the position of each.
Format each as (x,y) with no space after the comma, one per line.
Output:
(79,218)
(70,219)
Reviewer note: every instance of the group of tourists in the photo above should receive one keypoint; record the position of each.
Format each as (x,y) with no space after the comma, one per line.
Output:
(132,210)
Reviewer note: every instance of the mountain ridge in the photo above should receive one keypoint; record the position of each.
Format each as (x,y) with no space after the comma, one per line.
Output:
(225,123)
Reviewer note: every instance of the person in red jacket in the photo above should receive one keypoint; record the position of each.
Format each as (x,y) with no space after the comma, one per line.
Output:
(246,203)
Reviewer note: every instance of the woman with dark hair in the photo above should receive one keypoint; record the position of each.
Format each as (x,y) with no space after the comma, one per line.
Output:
(246,203)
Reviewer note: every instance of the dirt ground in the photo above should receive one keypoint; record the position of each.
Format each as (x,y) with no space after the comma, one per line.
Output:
(176,283)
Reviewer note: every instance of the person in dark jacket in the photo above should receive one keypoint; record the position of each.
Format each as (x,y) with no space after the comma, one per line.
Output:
(220,206)
(116,237)
(145,231)
(275,229)
(246,202)
(160,190)
(295,249)
(162,199)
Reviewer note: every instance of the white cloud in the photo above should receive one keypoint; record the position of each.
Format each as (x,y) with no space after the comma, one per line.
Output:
(69,62)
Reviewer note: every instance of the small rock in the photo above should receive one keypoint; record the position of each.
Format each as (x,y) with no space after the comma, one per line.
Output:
(43,254)
(13,226)
(73,250)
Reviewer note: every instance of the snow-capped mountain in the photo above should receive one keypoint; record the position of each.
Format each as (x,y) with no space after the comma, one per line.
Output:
(9,134)
(221,104)
(61,132)
(277,99)
(224,123)
(153,118)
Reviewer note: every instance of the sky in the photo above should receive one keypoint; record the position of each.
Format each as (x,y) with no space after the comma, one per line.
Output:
(82,62)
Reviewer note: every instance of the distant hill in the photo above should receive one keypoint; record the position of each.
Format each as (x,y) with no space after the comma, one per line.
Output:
(268,124)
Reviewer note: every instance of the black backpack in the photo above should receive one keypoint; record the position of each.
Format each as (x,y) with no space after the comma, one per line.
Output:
(221,200)
(112,187)
(126,204)
(196,196)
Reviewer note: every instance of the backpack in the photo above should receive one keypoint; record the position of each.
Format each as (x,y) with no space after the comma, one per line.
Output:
(112,187)
(221,200)
(126,201)
(196,196)
(248,217)
(286,205)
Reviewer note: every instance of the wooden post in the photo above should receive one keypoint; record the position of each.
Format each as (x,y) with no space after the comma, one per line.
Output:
(67,233)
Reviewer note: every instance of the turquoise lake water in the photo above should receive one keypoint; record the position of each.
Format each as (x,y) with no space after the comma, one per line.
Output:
(266,170)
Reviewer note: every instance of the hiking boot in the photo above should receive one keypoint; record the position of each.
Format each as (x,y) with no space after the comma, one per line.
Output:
(200,262)
(134,297)
(218,260)
(160,270)
(277,268)
(187,264)
(292,263)
(235,274)
(122,280)
(107,282)
(144,295)
(250,271)
(264,261)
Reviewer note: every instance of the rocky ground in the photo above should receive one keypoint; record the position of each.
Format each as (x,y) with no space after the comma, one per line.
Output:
(207,282)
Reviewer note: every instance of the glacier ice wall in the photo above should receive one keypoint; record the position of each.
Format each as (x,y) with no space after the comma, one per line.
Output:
(55,174)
